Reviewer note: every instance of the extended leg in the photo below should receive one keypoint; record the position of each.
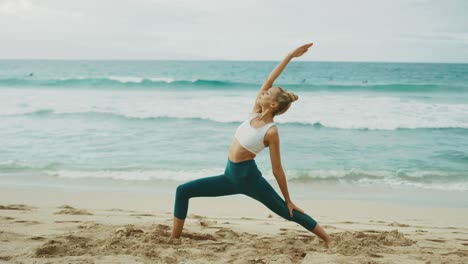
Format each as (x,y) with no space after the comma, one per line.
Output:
(320,232)
(211,186)
(263,192)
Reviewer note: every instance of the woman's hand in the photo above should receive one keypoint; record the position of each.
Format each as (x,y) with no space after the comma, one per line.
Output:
(301,50)
(292,206)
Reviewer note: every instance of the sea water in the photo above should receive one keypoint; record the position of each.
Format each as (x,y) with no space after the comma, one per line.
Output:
(146,126)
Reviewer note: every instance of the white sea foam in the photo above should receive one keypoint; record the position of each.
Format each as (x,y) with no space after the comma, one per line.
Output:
(135,79)
(139,175)
(162,79)
(126,79)
(349,111)
(360,177)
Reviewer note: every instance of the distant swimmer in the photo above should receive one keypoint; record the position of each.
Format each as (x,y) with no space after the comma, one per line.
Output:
(31,74)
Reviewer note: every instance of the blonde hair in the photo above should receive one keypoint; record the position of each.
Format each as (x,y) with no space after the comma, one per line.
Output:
(285,98)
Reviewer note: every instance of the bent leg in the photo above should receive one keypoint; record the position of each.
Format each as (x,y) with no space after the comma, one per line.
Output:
(263,192)
(204,187)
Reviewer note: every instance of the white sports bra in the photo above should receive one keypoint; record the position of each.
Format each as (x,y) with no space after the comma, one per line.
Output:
(252,138)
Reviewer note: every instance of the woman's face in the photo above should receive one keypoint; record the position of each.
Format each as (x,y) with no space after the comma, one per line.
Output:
(269,96)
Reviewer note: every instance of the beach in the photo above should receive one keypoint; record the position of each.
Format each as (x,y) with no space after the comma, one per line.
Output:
(108,107)
(52,226)
(91,153)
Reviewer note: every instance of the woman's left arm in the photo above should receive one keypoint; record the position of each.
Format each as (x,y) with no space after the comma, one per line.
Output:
(274,146)
(275,157)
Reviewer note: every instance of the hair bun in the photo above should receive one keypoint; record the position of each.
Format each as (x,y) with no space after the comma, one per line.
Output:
(292,96)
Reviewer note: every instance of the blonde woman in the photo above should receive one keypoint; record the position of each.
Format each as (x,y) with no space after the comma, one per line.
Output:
(241,175)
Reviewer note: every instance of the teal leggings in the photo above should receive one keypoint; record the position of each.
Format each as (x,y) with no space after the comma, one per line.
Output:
(238,178)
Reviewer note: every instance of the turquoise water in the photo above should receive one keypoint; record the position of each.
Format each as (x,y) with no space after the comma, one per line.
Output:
(138,123)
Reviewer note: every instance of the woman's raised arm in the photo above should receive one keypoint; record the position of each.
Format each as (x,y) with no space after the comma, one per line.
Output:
(277,71)
(280,67)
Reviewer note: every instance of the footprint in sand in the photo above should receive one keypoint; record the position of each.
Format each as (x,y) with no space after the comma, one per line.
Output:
(16,207)
(194,216)
(37,238)
(89,225)
(128,231)
(437,240)
(459,252)
(65,206)
(398,224)
(227,233)
(120,210)
(207,223)
(142,215)
(198,236)
(66,209)
(27,222)
(371,231)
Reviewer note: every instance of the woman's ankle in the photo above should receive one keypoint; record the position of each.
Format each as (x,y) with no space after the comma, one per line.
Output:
(329,242)
(174,237)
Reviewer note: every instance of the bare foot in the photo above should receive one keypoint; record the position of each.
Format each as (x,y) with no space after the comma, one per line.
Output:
(173,241)
(330,243)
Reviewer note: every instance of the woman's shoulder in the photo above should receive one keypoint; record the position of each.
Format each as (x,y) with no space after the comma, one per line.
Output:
(272,134)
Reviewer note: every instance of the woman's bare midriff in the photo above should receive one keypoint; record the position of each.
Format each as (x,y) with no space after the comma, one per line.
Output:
(238,153)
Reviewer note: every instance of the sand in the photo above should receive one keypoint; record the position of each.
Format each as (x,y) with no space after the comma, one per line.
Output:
(38,226)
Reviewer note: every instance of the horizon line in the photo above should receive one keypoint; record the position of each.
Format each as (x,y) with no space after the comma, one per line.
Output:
(225,60)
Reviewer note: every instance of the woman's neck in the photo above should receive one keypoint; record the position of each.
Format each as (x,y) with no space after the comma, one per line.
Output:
(266,117)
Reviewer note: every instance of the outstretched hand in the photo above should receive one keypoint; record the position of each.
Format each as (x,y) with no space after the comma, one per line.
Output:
(292,206)
(301,50)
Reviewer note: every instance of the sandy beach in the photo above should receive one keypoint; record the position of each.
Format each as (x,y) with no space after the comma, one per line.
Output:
(356,111)
(40,226)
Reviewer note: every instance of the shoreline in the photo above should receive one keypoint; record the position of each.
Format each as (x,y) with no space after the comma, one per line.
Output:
(400,194)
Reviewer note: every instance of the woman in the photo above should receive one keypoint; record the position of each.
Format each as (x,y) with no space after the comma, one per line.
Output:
(241,175)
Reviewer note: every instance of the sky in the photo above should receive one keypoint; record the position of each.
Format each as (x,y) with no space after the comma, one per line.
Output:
(341,30)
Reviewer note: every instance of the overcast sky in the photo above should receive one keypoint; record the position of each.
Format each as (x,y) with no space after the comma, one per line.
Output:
(342,30)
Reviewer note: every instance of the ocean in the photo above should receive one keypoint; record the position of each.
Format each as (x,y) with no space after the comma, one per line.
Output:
(397,130)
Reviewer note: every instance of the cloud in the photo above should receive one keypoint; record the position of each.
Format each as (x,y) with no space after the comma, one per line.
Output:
(360,30)
(27,10)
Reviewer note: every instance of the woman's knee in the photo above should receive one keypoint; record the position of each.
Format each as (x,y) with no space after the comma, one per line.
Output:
(181,190)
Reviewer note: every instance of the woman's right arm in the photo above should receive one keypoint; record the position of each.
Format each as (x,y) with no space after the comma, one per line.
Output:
(275,73)
(280,67)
